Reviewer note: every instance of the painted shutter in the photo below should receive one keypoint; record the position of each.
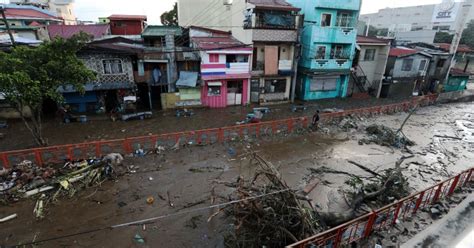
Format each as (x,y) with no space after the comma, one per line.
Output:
(271,60)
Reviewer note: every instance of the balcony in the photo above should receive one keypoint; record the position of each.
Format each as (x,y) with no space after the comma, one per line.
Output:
(341,35)
(340,4)
(272,26)
(331,64)
(285,68)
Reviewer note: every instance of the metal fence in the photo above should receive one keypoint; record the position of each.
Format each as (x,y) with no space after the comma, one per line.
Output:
(385,217)
(59,154)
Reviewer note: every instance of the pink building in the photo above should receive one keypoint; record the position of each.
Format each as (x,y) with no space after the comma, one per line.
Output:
(225,68)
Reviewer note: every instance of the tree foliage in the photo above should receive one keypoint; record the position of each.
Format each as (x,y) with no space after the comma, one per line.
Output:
(28,76)
(468,35)
(443,37)
(170,18)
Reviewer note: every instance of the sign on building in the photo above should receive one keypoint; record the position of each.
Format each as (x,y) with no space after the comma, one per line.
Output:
(445,11)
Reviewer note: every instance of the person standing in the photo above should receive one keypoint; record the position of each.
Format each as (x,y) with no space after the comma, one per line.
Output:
(315,121)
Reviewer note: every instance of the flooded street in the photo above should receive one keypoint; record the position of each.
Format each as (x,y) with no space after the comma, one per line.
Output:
(195,177)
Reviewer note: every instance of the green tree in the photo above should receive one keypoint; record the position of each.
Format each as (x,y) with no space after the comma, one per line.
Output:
(373,31)
(28,76)
(468,35)
(443,37)
(170,18)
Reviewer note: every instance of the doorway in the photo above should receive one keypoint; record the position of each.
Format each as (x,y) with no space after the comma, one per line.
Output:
(111,100)
(235,91)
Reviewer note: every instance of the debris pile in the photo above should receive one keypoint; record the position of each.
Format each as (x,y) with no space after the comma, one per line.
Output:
(273,221)
(26,179)
(385,136)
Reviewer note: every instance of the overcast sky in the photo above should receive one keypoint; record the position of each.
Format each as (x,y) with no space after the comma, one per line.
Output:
(90,10)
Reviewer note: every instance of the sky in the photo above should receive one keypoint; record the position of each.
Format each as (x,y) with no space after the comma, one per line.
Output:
(90,10)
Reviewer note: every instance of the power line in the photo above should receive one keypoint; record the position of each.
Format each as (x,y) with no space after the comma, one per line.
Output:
(156,218)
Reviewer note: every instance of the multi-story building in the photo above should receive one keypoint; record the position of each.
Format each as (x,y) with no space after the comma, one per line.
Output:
(268,26)
(63,8)
(127,24)
(328,41)
(438,17)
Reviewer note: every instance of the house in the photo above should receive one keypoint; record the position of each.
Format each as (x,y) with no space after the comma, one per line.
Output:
(112,60)
(369,65)
(406,72)
(166,55)
(269,26)
(97,31)
(62,8)
(464,57)
(225,68)
(28,21)
(328,41)
(127,24)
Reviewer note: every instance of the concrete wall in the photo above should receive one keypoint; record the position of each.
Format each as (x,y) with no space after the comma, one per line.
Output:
(425,36)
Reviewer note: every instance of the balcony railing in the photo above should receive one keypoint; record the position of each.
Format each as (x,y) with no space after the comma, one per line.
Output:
(344,55)
(264,20)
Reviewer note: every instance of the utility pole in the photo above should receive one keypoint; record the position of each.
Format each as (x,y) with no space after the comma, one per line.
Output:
(296,57)
(2,10)
(460,26)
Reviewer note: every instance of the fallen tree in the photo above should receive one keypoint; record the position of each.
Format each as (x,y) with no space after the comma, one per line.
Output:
(273,221)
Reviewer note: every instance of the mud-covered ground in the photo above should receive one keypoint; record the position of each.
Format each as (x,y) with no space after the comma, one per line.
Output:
(100,127)
(193,176)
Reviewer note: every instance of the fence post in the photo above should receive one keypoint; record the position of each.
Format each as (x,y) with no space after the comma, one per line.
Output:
(6,164)
(220,135)
(438,192)
(70,153)
(126,146)
(274,127)
(97,149)
(468,177)
(199,138)
(257,130)
(397,212)
(453,185)
(290,125)
(38,159)
(370,224)
(419,201)
(305,122)
(338,237)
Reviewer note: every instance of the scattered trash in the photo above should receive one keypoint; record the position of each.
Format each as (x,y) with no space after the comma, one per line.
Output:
(150,179)
(3,124)
(231,151)
(263,110)
(298,108)
(122,204)
(2,135)
(139,239)
(114,159)
(10,217)
(150,200)
(332,110)
(184,113)
(39,207)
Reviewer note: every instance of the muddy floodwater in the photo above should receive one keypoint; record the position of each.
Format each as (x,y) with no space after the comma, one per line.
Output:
(194,177)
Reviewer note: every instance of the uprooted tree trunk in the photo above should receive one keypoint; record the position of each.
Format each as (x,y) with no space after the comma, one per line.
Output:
(273,221)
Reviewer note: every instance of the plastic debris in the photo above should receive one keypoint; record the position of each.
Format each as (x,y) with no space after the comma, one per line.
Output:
(150,179)
(139,239)
(39,207)
(150,200)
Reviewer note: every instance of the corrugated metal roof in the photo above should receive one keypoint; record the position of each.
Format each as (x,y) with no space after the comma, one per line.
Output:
(371,40)
(461,48)
(67,31)
(128,17)
(28,13)
(154,31)
(208,43)
(397,52)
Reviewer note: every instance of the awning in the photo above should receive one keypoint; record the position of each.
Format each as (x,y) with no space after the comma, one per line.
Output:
(97,86)
(187,79)
(214,84)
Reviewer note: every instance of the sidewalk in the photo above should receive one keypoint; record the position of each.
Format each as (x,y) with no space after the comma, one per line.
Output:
(102,128)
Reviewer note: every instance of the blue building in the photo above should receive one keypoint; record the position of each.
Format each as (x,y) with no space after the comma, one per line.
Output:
(328,41)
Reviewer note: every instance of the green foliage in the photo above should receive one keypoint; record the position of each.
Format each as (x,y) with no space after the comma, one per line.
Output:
(28,76)
(468,35)
(170,18)
(443,37)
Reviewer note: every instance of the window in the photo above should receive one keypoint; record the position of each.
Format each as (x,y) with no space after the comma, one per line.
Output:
(113,66)
(231,58)
(326,20)
(441,63)
(275,86)
(422,65)
(242,58)
(369,55)
(214,58)
(407,64)
(337,52)
(323,83)
(321,52)
(344,19)
(58,10)
(213,90)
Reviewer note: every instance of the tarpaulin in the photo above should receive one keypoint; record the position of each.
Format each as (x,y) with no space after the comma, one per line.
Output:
(187,79)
